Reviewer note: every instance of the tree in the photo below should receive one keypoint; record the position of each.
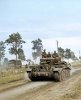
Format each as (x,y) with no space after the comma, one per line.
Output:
(21,54)
(15,41)
(61,51)
(2,50)
(73,57)
(79,57)
(67,53)
(34,55)
(37,47)
(5,63)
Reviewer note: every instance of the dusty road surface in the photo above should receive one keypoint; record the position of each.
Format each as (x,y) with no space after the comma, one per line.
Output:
(45,90)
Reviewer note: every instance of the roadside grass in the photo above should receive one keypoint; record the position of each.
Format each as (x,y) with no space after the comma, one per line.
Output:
(11,75)
(76,64)
(4,87)
(74,94)
(11,78)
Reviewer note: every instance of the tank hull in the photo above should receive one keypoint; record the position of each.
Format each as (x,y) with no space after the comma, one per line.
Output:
(56,75)
(51,70)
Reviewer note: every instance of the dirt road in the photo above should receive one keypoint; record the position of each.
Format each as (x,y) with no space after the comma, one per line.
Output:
(45,90)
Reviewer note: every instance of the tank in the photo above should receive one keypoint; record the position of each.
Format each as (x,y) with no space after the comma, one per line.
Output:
(51,68)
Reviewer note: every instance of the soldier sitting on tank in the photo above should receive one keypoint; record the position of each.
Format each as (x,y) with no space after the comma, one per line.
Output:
(55,54)
(57,57)
(48,55)
(44,54)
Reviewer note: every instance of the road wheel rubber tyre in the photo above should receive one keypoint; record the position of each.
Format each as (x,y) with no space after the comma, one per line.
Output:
(63,75)
(31,77)
(56,76)
(60,76)
(68,74)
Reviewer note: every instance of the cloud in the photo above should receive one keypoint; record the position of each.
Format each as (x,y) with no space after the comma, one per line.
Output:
(74,27)
(48,27)
(64,27)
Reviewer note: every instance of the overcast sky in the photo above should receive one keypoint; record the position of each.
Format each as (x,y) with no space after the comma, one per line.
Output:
(49,20)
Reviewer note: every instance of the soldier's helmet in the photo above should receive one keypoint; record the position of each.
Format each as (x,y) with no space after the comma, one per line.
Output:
(54,52)
(48,52)
(44,50)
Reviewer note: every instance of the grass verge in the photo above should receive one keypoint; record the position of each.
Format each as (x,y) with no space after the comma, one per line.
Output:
(11,75)
(8,86)
(76,64)
(74,94)
(12,78)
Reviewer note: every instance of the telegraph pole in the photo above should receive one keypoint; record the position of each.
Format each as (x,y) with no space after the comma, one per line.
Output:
(79,53)
(57,45)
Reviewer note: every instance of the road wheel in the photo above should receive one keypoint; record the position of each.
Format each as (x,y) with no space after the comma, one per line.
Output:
(68,72)
(60,76)
(56,76)
(63,75)
(31,77)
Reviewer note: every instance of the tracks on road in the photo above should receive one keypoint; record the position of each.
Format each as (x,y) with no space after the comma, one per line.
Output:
(53,90)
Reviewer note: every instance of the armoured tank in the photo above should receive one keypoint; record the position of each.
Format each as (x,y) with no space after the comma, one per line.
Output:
(52,68)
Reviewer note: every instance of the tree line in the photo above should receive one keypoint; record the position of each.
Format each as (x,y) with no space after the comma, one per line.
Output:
(15,43)
(66,53)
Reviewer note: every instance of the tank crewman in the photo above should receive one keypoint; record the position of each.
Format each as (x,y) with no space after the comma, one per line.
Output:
(48,55)
(57,57)
(44,54)
(55,54)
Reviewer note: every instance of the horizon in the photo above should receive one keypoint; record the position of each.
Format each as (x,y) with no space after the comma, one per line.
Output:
(49,45)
